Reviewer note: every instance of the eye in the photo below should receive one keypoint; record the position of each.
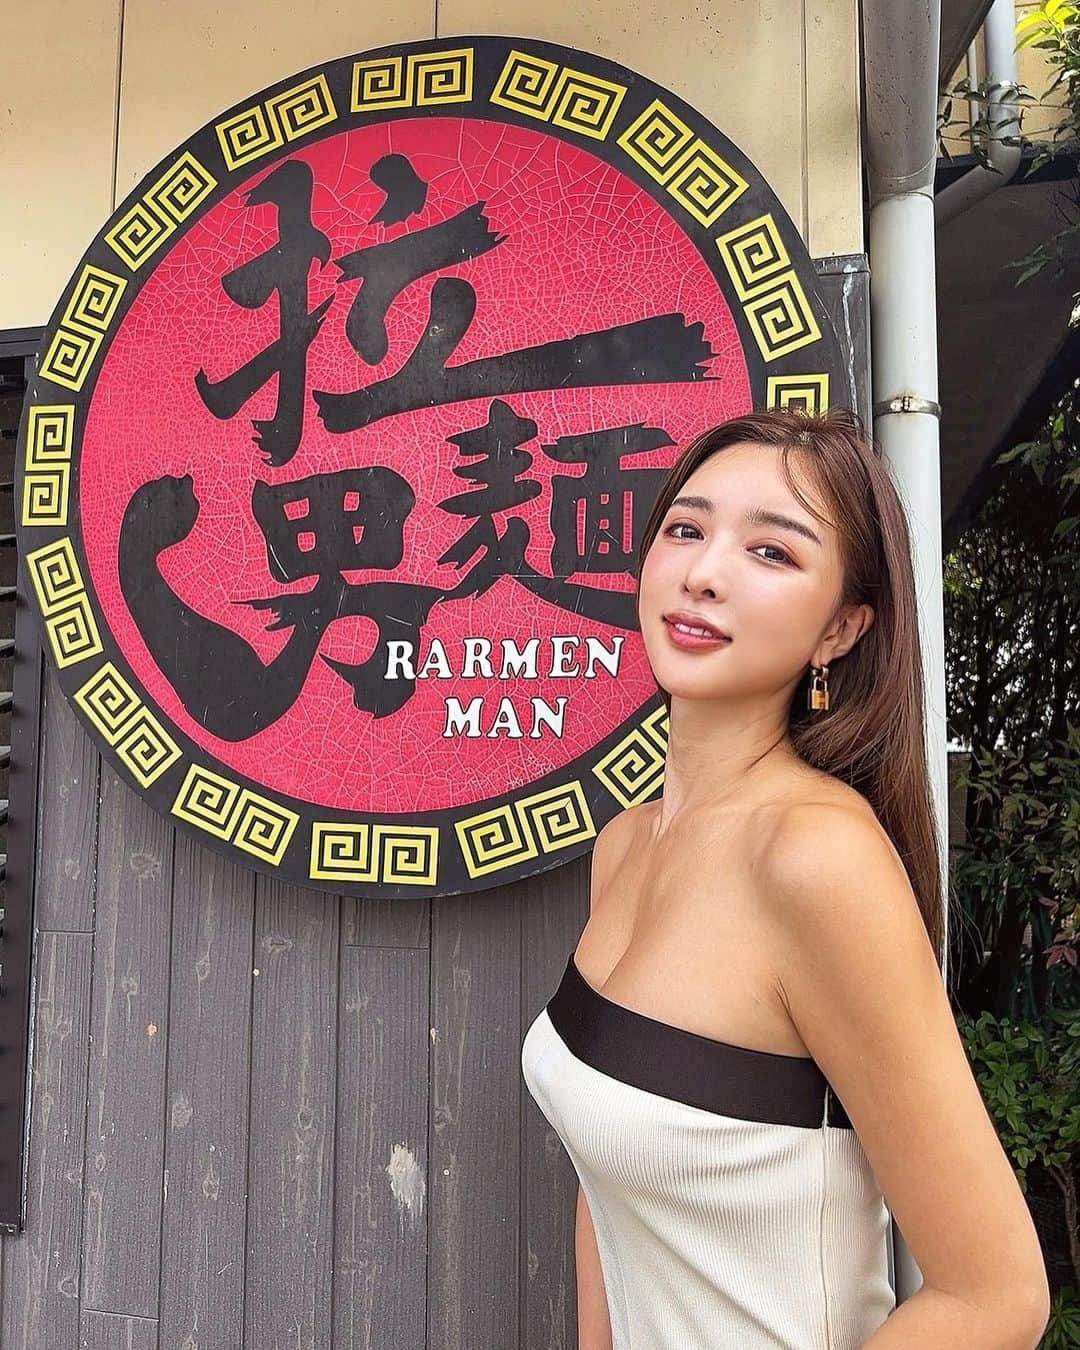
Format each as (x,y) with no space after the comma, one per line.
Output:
(681,525)
(784,557)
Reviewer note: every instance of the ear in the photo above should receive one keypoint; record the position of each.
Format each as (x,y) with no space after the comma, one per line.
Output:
(848,626)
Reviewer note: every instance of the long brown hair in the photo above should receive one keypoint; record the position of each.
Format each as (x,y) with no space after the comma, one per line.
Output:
(872,736)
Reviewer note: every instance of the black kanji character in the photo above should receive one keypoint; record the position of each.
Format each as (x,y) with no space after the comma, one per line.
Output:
(283,268)
(333,522)
(658,350)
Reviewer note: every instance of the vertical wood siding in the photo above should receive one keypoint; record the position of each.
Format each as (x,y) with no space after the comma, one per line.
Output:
(271,1118)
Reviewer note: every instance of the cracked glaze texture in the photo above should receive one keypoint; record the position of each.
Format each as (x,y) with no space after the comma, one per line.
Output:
(585,248)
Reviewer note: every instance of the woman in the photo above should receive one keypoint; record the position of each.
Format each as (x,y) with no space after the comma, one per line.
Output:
(751,1052)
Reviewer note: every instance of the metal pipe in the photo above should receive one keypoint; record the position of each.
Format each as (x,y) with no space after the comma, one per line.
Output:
(999,31)
(901,44)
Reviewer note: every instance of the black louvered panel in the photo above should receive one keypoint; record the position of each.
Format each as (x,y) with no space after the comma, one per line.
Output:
(20,708)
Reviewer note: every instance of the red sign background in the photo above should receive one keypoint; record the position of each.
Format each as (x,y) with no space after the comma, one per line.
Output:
(585,249)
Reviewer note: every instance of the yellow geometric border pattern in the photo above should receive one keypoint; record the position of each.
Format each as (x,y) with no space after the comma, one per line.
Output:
(808,393)
(255,131)
(557,94)
(689,170)
(774,301)
(141,742)
(634,769)
(513,832)
(246,820)
(416,80)
(49,436)
(154,217)
(69,620)
(394,854)
(82,328)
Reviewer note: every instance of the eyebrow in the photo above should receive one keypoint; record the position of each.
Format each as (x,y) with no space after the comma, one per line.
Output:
(757,516)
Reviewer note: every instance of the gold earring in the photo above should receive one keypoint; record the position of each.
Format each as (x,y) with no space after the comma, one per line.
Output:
(817,696)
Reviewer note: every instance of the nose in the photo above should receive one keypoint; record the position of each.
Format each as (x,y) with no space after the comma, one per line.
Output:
(703,575)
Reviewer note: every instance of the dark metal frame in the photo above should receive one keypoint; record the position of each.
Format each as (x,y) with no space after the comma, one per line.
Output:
(1061,169)
(17,931)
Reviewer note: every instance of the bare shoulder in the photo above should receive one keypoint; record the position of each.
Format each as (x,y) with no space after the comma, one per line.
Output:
(830,851)
(614,841)
(857,974)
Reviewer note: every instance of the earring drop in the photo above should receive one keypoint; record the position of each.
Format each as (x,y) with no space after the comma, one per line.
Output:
(817,696)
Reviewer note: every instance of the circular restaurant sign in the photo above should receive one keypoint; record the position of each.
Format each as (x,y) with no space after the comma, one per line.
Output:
(344,434)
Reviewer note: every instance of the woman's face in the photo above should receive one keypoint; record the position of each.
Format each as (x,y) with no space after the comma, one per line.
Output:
(772,587)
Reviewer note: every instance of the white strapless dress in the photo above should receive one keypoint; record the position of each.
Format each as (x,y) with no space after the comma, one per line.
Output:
(732,1201)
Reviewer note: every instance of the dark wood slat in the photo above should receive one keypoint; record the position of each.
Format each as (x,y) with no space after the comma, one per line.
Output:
(22,732)
(385,923)
(554,908)
(124,1127)
(380,1181)
(40,1308)
(69,807)
(206,1137)
(290,1209)
(115,1331)
(476,1105)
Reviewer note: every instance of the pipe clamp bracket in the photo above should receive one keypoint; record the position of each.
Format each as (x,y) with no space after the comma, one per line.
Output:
(907,403)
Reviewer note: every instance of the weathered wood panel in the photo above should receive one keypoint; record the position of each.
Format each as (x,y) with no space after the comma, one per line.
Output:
(129,1030)
(40,1306)
(380,1263)
(206,1127)
(290,1228)
(67,833)
(115,1331)
(385,923)
(475,1114)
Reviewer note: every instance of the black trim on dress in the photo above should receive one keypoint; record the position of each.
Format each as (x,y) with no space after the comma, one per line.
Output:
(684,1066)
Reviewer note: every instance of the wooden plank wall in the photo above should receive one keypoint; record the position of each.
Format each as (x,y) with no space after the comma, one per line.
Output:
(272,1118)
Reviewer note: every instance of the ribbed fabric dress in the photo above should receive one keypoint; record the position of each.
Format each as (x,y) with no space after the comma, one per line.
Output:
(732,1201)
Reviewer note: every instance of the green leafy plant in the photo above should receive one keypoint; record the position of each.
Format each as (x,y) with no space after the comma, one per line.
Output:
(1029,1075)
(1012,596)
(1012,633)
(1063,1329)
(1019,871)
(1054,29)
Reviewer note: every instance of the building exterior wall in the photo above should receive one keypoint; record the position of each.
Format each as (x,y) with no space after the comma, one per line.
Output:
(102,91)
(262,1116)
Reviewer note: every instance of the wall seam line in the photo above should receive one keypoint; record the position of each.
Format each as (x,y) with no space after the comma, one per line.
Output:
(116,116)
(805,136)
(165,1115)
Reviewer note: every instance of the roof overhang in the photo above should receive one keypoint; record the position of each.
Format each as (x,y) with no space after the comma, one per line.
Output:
(998,340)
(960,21)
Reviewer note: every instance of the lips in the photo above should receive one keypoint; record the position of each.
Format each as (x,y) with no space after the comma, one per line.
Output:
(695,621)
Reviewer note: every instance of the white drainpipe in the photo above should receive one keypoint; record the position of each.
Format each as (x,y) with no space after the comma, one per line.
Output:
(901,41)
(999,31)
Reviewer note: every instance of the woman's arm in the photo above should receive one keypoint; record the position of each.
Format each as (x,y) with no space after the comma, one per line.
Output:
(859,978)
(594,1323)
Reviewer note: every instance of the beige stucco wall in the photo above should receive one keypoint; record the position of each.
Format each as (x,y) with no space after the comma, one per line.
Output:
(102,90)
